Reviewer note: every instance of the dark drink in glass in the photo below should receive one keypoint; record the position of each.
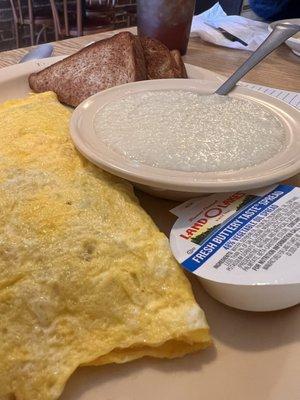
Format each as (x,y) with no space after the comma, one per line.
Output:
(166,20)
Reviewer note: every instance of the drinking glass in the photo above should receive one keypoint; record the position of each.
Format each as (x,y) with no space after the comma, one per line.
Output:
(166,20)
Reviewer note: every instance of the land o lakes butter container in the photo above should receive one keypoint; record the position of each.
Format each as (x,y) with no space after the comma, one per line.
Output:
(244,247)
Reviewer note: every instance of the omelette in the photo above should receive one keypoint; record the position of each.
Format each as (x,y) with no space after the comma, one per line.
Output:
(86,278)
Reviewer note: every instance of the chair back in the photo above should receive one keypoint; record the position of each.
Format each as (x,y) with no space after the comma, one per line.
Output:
(108,3)
(61,21)
(56,20)
(105,3)
(17,11)
(61,25)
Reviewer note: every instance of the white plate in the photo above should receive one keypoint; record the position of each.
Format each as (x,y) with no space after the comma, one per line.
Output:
(255,356)
(293,42)
(13,79)
(174,184)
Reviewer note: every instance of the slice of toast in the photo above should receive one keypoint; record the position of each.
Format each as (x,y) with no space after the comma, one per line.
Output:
(160,62)
(180,67)
(106,63)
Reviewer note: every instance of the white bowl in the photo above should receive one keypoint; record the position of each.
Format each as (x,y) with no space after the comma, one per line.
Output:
(254,297)
(180,185)
(293,42)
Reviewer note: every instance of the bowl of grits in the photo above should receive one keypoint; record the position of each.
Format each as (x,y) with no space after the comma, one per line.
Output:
(174,138)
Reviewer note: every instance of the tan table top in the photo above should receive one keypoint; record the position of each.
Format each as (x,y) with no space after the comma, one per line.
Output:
(281,69)
(256,356)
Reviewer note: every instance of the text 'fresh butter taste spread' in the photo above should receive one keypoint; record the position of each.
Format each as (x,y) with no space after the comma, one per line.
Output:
(245,247)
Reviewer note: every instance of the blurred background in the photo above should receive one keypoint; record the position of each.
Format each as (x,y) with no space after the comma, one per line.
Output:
(28,22)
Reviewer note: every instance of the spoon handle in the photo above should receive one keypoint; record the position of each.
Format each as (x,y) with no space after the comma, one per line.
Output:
(42,51)
(280,34)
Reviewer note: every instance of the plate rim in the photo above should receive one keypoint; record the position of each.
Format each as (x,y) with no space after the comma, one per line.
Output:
(10,71)
(187,180)
(22,69)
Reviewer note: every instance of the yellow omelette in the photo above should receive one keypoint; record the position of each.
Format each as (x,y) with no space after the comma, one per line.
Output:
(85,275)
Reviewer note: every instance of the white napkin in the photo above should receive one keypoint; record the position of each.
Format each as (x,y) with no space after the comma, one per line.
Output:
(250,31)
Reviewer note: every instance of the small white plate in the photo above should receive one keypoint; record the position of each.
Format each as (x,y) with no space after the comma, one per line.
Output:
(14,79)
(293,42)
(181,184)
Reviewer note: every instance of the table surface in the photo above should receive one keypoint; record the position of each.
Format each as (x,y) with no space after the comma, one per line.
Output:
(249,347)
(281,69)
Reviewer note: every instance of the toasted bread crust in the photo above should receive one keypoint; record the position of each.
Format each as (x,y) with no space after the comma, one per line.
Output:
(109,62)
(160,62)
(101,65)
(139,58)
(180,67)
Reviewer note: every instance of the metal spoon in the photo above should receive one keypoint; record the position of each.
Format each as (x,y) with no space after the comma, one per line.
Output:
(281,32)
